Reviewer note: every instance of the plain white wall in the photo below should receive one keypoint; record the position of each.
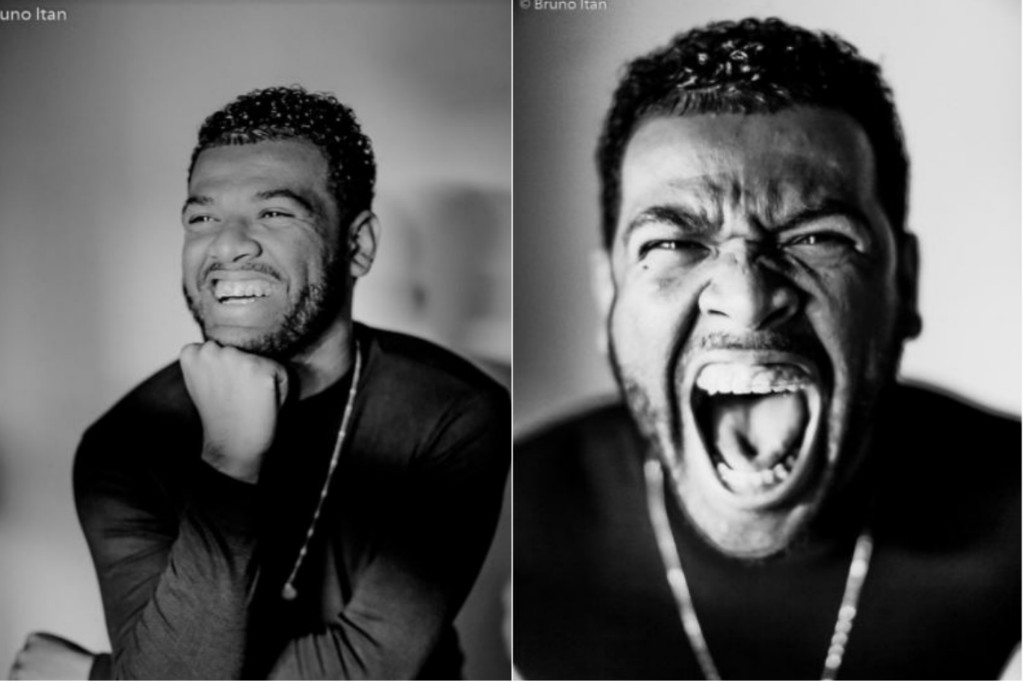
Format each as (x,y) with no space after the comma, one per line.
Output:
(98,116)
(955,70)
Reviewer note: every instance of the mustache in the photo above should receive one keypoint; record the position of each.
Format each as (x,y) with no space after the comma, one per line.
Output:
(261,268)
(794,341)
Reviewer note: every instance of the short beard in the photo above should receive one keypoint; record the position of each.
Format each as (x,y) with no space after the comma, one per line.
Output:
(635,397)
(304,323)
(830,510)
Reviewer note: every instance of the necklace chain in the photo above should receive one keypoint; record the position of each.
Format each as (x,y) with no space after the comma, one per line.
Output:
(658,510)
(289,592)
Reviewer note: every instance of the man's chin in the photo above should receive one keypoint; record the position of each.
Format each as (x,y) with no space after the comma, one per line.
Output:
(745,534)
(751,521)
(255,341)
(280,335)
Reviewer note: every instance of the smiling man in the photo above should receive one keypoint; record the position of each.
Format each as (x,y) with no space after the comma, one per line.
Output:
(300,496)
(766,502)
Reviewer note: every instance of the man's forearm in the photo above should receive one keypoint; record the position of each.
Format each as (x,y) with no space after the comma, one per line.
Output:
(177,607)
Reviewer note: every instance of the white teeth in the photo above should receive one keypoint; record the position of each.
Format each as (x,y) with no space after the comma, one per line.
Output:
(245,288)
(739,481)
(744,379)
(756,479)
(751,480)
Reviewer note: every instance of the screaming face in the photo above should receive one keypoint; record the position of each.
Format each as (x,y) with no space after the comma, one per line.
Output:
(755,299)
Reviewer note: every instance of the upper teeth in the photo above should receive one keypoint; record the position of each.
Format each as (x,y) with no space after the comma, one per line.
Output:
(743,378)
(241,288)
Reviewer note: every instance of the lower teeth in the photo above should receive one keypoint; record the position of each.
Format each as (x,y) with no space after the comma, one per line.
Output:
(744,481)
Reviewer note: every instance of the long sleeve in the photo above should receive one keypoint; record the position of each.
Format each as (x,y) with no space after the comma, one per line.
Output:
(176,582)
(191,563)
(429,553)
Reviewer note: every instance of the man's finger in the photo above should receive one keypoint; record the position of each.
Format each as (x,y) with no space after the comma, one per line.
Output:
(281,384)
(189,352)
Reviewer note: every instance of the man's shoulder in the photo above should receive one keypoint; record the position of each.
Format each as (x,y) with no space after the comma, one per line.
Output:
(141,428)
(578,432)
(423,403)
(949,472)
(421,372)
(928,401)
(936,443)
(950,423)
(161,396)
(589,454)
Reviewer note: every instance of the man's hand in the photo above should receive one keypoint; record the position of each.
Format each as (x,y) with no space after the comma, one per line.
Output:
(238,396)
(49,657)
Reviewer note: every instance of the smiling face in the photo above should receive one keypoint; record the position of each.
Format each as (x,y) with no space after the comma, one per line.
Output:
(262,264)
(753,295)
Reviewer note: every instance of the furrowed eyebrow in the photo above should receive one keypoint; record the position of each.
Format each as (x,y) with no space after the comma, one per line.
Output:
(196,201)
(309,206)
(827,208)
(683,218)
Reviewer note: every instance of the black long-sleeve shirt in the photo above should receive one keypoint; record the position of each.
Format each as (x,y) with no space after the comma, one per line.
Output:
(941,599)
(191,563)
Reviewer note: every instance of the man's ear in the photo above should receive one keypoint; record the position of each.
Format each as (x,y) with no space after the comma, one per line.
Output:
(907,280)
(602,285)
(363,238)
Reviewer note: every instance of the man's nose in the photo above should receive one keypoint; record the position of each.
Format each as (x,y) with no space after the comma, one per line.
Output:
(747,293)
(234,241)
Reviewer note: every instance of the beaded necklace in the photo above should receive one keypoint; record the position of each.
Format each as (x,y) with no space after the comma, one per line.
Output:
(289,593)
(658,510)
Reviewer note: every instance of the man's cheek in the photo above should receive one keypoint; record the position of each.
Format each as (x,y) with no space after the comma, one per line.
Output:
(860,340)
(867,313)
(190,263)
(644,336)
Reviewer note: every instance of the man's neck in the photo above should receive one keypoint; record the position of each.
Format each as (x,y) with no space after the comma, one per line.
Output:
(325,362)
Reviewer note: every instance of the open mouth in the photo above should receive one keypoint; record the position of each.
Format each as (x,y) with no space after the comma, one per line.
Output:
(241,292)
(758,423)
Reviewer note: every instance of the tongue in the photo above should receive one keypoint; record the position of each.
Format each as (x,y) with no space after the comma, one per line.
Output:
(757,431)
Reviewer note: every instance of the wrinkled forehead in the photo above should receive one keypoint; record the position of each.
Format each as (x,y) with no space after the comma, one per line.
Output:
(764,164)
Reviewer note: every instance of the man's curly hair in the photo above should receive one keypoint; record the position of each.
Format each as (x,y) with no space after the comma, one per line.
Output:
(292,113)
(751,67)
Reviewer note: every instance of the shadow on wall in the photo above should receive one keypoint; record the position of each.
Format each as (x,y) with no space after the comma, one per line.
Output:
(444,272)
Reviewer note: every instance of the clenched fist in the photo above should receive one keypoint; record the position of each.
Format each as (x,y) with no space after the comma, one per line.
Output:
(238,396)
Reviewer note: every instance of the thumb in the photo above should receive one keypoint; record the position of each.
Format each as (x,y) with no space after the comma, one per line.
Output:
(281,385)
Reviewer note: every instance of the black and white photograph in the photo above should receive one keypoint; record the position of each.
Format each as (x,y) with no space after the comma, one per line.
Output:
(256,358)
(767,340)
(511,339)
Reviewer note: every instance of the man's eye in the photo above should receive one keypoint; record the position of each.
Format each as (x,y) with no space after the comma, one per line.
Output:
(272,213)
(199,218)
(681,246)
(822,239)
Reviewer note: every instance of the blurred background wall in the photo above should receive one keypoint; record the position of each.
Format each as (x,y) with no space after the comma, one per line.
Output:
(98,116)
(955,68)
